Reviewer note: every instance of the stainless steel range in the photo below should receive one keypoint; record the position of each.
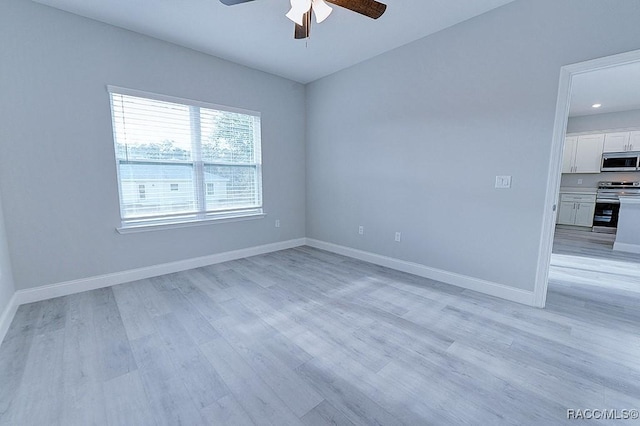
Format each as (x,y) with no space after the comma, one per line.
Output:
(605,218)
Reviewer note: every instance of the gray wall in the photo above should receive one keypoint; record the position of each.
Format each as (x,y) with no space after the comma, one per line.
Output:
(57,169)
(413,139)
(6,278)
(590,180)
(598,122)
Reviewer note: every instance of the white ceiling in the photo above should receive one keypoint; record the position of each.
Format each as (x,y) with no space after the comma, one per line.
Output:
(258,35)
(616,88)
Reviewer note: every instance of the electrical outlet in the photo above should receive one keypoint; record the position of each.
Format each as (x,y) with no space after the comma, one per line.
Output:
(361,230)
(277,223)
(579,181)
(398,235)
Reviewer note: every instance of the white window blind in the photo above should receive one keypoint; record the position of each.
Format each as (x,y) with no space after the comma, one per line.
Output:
(183,161)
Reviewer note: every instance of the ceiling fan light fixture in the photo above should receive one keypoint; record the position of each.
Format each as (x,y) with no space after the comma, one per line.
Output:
(298,9)
(321,9)
(301,11)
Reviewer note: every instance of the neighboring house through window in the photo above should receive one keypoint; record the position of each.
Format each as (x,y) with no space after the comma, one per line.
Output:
(181,160)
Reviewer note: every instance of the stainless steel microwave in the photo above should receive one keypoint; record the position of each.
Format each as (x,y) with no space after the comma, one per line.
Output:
(620,161)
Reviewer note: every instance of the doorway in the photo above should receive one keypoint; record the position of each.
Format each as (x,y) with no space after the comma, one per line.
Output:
(568,74)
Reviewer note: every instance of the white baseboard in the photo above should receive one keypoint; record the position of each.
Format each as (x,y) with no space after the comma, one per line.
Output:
(7,316)
(464,281)
(91,283)
(631,248)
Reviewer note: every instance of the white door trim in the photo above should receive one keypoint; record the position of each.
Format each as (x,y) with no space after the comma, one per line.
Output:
(555,162)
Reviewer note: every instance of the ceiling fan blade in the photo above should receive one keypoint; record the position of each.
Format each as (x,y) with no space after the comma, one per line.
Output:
(302,31)
(371,8)
(232,2)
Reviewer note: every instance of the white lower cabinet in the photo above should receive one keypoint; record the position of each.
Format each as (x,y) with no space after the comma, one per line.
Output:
(576,209)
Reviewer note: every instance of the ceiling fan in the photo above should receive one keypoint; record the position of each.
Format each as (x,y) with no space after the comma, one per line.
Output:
(300,12)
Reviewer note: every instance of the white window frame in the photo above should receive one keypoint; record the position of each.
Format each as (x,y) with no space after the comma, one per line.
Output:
(201,216)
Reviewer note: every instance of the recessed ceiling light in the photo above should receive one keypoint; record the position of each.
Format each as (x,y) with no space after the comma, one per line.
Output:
(596,105)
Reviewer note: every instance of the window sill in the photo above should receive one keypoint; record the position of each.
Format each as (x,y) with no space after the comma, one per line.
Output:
(146,227)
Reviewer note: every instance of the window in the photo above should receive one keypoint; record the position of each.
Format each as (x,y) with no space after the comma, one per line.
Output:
(184,161)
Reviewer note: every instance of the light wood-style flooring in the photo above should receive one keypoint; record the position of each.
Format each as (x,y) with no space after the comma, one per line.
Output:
(587,259)
(587,244)
(307,337)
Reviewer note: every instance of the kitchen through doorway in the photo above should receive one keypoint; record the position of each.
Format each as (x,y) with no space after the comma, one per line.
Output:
(598,115)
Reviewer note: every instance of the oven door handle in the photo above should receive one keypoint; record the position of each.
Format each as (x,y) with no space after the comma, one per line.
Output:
(607,201)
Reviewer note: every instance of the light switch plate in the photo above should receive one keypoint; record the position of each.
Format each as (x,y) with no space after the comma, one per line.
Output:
(503,181)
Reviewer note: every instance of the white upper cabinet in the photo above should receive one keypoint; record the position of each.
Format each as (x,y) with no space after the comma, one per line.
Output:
(616,142)
(583,154)
(634,141)
(569,158)
(589,153)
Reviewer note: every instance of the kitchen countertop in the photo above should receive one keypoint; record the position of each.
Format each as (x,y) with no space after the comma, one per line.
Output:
(629,199)
(578,190)
(628,234)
